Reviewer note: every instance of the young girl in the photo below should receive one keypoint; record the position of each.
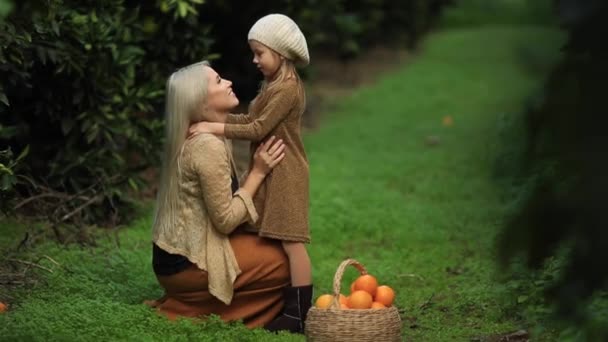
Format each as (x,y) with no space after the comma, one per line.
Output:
(278,46)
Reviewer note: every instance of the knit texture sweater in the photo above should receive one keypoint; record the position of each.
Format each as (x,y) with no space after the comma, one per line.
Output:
(282,200)
(207,212)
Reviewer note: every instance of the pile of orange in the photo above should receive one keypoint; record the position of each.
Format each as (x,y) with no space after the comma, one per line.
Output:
(364,294)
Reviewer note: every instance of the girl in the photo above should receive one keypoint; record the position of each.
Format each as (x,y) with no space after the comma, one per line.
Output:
(278,46)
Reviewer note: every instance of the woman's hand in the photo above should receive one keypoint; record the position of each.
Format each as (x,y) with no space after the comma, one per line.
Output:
(198,127)
(267,156)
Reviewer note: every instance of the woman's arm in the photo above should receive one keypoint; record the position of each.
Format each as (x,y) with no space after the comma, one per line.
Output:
(212,166)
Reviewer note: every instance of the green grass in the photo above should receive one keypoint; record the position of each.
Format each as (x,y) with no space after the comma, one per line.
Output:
(421,218)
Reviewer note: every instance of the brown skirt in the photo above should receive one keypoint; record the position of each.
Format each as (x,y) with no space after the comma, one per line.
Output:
(258,290)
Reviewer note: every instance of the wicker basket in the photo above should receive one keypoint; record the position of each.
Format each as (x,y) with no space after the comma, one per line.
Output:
(335,324)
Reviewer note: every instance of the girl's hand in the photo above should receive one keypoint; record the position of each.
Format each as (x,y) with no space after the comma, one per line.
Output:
(267,156)
(199,127)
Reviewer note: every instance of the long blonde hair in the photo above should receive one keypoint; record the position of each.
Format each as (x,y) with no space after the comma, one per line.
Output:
(267,89)
(186,91)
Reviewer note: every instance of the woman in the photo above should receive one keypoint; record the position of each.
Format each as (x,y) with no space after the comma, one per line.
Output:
(200,258)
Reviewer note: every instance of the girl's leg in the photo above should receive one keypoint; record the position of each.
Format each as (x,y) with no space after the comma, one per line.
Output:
(298,297)
(299,263)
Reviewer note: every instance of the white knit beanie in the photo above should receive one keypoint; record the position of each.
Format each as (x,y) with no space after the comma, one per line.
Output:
(280,33)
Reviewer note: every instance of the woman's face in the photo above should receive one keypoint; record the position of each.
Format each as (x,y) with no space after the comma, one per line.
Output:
(220,97)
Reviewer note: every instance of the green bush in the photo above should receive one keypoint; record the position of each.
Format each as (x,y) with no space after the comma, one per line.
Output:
(556,182)
(81,81)
(5,8)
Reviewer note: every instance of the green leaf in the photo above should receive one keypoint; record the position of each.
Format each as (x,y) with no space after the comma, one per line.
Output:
(6,170)
(164,7)
(522,299)
(7,132)
(8,180)
(23,154)
(5,8)
(66,125)
(4,99)
(55,27)
(182,9)
(133,184)
(213,56)
(92,133)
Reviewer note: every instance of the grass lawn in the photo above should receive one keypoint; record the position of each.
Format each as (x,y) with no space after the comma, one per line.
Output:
(392,187)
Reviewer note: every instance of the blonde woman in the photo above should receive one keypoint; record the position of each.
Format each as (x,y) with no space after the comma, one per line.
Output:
(201,257)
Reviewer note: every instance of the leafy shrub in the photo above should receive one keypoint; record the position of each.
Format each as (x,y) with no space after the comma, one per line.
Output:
(81,81)
(558,184)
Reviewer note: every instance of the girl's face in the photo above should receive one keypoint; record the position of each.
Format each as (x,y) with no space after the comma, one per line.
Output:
(266,59)
(220,97)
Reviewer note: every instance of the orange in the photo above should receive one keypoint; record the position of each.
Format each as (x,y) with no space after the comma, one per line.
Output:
(378,305)
(447,120)
(343,299)
(385,295)
(3,307)
(352,287)
(360,300)
(324,301)
(367,283)
(343,306)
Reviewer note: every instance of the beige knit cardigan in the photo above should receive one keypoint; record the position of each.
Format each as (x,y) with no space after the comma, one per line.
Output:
(207,213)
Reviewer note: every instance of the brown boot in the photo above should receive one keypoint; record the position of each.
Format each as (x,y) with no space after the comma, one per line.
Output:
(297,303)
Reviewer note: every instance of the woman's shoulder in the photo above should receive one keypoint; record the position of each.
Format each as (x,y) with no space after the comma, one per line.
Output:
(204,145)
(204,140)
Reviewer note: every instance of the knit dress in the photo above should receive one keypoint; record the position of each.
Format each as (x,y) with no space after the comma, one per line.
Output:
(282,200)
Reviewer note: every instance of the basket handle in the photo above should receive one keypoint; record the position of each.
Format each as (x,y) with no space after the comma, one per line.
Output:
(338,278)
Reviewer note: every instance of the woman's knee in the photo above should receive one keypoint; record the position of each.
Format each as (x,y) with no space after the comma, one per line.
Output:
(268,253)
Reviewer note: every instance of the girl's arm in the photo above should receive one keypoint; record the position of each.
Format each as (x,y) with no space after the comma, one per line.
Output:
(240,119)
(278,108)
(217,128)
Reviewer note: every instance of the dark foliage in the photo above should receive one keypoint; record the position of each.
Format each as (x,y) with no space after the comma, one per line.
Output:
(564,165)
